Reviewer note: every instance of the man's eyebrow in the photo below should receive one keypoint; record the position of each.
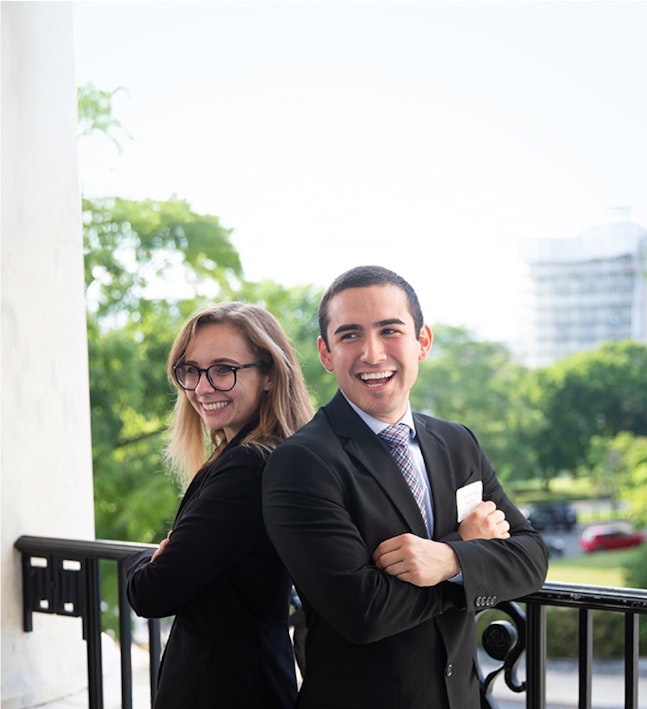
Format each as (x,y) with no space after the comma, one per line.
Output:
(352,327)
(390,321)
(347,328)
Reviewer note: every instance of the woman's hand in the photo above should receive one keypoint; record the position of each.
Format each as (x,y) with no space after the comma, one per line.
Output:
(162,546)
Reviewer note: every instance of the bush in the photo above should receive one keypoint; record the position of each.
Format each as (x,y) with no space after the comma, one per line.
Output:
(562,634)
(636,570)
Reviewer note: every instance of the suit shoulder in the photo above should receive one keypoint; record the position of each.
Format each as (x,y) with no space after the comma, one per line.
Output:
(310,435)
(442,428)
(238,456)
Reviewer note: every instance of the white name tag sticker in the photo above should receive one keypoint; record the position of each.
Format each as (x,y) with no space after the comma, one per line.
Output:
(468,498)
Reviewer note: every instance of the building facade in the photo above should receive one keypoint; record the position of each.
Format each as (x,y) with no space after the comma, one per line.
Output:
(584,291)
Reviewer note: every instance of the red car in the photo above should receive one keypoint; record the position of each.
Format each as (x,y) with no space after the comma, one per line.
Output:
(617,535)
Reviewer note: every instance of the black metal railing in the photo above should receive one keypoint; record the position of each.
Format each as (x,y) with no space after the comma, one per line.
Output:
(628,601)
(61,576)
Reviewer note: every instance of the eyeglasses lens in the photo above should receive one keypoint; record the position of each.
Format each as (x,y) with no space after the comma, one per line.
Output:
(222,378)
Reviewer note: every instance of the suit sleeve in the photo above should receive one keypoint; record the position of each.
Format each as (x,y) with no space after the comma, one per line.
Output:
(308,520)
(215,528)
(494,570)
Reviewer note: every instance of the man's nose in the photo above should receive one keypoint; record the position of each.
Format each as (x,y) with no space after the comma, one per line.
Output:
(373,351)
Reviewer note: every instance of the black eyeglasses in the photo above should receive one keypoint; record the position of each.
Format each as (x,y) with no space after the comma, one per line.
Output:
(221,376)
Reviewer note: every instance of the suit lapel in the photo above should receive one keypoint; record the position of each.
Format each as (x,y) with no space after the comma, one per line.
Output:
(441,478)
(370,454)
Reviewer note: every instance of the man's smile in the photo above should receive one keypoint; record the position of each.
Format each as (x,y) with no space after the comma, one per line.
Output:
(375,378)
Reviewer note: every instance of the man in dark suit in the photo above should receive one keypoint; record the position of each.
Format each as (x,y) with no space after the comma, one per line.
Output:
(390,571)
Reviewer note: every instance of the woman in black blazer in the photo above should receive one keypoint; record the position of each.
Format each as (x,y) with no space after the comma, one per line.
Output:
(239,382)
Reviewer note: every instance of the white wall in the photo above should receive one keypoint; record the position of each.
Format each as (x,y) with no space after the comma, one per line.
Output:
(45,421)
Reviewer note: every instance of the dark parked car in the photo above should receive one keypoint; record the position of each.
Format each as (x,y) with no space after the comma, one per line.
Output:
(554,516)
(556,546)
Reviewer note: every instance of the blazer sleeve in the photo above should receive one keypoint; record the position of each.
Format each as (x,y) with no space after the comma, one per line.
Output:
(215,527)
(494,570)
(307,516)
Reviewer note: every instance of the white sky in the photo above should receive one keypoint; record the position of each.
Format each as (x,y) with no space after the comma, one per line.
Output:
(428,137)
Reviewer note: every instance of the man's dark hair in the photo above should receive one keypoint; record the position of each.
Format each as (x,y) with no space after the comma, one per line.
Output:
(364,277)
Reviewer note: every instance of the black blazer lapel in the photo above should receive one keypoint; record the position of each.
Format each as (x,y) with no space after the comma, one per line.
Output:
(369,453)
(441,477)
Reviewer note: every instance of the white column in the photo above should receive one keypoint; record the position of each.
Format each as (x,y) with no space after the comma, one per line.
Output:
(45,424)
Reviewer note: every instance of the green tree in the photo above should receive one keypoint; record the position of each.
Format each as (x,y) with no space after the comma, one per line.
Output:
(130,401)
(132,250)
(296,310)
(598,392)
(477,383)
(619,467)
(95,114)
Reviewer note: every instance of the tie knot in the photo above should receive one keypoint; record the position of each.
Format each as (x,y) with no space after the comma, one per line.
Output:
(396,434)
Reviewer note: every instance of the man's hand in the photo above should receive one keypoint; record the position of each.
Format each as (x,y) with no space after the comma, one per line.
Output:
(162,546)
(485,522)
(421,562)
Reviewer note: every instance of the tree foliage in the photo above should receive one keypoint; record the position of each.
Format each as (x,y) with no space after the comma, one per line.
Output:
(296,310)
(477,383)
(597,392)
(619,467)
(95,114)
(139,255)
(133,249)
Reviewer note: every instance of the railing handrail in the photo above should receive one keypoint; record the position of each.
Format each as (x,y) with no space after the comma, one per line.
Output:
(620,598)
(606,598)
(83,548)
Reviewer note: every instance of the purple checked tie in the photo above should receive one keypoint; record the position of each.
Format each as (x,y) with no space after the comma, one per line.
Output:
(396,438)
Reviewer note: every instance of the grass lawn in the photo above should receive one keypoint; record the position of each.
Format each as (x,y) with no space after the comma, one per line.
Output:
(562,489)
(603,568)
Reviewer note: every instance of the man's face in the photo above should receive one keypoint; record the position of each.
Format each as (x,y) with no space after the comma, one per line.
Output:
(373,349)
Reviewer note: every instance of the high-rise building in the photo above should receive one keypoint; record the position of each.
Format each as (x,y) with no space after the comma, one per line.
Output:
(584,291)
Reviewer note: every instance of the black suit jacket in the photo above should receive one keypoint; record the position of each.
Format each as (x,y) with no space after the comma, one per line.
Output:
(332,493)
(221,578)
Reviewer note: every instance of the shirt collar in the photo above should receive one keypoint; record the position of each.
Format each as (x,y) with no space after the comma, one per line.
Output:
(376,425)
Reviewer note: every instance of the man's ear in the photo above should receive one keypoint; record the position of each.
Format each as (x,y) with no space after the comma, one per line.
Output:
(324,355)
(425,340)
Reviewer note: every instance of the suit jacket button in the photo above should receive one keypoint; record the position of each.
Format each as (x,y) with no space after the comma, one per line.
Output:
(479,601)
(450,670)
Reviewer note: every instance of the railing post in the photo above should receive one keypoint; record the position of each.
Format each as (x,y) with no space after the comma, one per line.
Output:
(92,632)
(27,592)
(631,660)
(535,656)
(154,653)
(125,640)
(585,645)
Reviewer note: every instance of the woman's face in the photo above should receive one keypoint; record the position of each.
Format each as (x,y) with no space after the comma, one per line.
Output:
(227,410)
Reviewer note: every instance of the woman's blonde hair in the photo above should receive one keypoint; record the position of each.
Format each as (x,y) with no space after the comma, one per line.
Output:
(283,409)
